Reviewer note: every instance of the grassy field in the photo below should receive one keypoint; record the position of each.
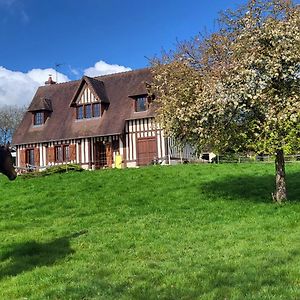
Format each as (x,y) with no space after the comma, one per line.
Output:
(184,232)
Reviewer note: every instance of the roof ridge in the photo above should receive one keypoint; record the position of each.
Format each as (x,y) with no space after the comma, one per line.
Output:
(60,84)
(96,77)
(122,73)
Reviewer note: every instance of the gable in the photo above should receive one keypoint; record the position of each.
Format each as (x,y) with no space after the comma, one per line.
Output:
(86,96)
(41,104)
(89,90)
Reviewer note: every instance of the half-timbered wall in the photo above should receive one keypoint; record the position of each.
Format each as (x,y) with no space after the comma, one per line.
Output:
(42,153)
(39,154)
(86,96)
(138,133)
(81,151)
(143,128)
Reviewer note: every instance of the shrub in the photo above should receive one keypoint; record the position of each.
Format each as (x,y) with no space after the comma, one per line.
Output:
(53,170)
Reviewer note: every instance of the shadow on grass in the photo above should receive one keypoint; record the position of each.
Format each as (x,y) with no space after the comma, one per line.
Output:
(22,257)
(252,188)
(214,280)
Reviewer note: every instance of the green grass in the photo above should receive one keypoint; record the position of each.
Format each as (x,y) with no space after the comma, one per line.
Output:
(184,232)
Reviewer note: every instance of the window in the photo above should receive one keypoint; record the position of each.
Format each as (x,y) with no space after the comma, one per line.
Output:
(88,111)
(96,110)
(62,153)
(58,154)
(80,112)
(30,157)
(66,152)
(141,104)
(38,118)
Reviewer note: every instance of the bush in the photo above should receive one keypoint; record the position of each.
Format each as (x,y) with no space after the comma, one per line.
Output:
(53,170)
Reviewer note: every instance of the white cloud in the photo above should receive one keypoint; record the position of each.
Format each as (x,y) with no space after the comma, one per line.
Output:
(17,88)
(103,68)
(42,75)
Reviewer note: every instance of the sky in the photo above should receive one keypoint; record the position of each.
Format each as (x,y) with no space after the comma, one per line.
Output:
(91,37)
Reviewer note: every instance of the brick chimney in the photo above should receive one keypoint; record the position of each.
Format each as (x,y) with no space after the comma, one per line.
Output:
(50,81)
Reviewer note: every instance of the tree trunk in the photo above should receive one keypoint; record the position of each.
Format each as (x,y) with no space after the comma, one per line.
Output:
(280,193)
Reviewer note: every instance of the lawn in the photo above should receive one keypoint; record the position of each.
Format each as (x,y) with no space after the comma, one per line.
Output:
(182,232)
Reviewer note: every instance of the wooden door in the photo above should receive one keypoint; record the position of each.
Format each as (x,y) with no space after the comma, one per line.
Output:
(99,155)
(109,154)
(146,150)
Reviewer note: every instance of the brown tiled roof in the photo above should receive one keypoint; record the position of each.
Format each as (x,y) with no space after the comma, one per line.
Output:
(41,104)
(114,89)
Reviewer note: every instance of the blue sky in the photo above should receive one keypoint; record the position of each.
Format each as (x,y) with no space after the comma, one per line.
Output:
(37,34)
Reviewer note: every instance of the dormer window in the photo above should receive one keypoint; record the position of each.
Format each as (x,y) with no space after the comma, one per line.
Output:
(41,109)
(38,118)
(88,111)
(90,99)
(96,110)
(141,103)
(80,112)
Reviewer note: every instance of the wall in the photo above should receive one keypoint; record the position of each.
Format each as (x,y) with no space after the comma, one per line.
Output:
(142,128)
(84,151)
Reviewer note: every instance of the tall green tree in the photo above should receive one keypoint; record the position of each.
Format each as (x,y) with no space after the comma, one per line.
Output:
(239,87)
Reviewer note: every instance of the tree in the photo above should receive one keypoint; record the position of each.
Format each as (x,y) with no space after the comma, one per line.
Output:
(239,87)
(10,118)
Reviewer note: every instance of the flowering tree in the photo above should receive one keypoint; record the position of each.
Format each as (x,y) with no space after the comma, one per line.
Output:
(238,88)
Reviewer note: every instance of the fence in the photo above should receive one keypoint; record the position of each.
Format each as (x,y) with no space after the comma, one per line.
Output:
(239,158)
(180,158)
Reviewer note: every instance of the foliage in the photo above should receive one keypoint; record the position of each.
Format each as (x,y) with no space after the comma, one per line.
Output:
(53,170)
(10,118)
(187,232)
(238,88)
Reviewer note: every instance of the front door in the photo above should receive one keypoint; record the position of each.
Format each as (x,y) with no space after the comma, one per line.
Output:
(99,155)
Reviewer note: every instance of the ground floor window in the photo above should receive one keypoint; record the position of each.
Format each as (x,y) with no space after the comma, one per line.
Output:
(30,157)
(58,154)
(62,153)
(66,152)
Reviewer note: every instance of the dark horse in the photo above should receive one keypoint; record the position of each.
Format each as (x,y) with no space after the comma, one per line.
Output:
(6,163)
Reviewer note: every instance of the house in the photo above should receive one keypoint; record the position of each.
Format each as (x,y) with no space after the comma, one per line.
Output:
(90,121)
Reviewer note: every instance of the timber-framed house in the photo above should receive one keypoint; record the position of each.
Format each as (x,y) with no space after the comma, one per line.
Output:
(90,121)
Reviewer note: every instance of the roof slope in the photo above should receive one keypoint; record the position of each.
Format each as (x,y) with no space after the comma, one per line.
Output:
(41,104)
(97,87)
(116,90)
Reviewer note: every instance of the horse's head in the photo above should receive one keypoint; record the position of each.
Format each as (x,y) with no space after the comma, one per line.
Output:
(6,163)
